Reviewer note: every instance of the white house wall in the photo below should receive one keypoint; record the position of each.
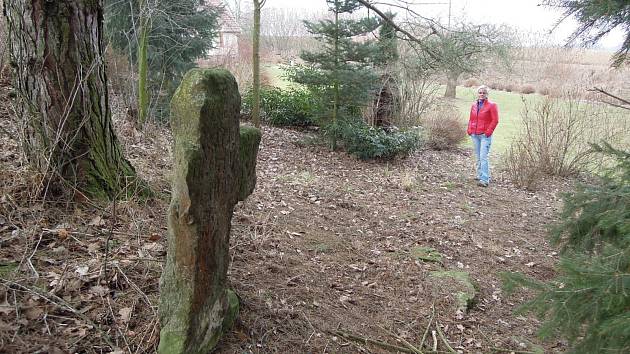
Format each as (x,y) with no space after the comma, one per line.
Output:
(226,44)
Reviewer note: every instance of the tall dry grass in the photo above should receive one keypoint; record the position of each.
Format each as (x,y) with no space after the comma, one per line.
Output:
(557,135)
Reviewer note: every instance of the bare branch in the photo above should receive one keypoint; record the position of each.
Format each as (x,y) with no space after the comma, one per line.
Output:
(625,104)
(409,35)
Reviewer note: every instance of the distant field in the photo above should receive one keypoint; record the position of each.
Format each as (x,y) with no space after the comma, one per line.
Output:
(510,107)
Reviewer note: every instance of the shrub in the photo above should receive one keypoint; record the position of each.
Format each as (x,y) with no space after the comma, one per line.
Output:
(444,128)
(371,143)
(527,89)
(521,167)
(240,67)
(588,301)
(557,133)
(471,82)
(293,107)
(508,88)
(418,85)
(545,91)
(496,86)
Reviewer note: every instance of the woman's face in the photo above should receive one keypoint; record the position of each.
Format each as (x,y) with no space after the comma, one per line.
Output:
(483,94)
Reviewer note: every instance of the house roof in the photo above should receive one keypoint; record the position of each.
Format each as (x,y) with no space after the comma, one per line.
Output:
(227,22)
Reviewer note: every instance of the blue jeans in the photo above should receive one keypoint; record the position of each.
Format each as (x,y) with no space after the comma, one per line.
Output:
(481,147)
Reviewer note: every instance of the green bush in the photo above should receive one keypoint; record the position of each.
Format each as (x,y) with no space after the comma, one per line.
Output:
(372,143)
(292,107)
(588,301)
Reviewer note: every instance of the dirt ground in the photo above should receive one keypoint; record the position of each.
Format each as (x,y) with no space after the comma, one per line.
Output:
(323,251)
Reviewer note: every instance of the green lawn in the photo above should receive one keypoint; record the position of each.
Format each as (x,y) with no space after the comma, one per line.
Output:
(276,74)
(510,106)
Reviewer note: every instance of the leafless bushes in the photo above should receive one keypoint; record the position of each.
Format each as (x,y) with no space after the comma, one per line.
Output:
(445,128)
(418,90)
(240,66)
(528,89)
(417,96)
(556,137)
(544,90)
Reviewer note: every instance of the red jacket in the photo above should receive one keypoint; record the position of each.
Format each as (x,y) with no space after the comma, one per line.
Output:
(485,120)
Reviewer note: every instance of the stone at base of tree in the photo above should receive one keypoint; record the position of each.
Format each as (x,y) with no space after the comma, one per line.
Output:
(460,285)
(250,140)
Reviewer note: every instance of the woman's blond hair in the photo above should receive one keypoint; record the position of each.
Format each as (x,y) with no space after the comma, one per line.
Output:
(485,88)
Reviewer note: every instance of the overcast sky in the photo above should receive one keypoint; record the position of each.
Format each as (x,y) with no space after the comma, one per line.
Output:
(526,15)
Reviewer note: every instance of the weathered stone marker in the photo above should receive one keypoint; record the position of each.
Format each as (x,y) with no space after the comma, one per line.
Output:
(212,171)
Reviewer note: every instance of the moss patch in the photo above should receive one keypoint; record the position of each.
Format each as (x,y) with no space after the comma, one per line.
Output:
(463,288)
(426,254)
(8,269)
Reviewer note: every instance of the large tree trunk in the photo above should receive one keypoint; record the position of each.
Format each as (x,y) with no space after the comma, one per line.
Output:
(57,52)
(451,84)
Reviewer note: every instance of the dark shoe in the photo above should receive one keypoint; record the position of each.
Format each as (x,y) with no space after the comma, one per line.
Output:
(482,184)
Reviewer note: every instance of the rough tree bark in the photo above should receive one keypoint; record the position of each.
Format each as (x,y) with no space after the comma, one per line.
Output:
(212,171)
(56,49)
(386,102)
(143,65)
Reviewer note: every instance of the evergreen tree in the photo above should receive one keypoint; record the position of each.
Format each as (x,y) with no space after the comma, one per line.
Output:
(387,42)
(340,73)
(589,301)
(179,33)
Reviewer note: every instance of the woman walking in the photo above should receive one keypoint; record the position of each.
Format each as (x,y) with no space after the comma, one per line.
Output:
(484,117)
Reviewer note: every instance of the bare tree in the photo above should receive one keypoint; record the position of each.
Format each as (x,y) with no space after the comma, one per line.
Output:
(258,4)
(468,49)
